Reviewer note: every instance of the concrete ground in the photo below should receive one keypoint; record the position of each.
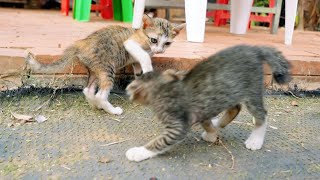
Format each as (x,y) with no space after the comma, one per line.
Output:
(78,142)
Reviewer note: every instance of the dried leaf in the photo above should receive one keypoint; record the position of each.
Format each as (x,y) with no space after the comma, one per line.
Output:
(22,117)
(294,103)
(104,160)
(40,118)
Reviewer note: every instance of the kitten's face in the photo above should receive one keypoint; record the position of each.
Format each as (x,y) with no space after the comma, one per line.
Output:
(160,33)
(141,89)
(138,90)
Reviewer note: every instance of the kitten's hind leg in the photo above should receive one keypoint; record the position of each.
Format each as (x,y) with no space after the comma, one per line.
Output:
(105,85)
(172,134)
(90,90)
(210,133)
(256,138)
(228,116)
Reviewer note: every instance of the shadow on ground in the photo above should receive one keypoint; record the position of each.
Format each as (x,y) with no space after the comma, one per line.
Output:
(74,143)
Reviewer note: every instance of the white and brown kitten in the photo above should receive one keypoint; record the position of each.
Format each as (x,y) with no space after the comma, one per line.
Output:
(220,83)
(108,49)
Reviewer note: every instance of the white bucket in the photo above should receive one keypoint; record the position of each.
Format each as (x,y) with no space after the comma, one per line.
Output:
(195,11)
(240,14)
(138,11)
(291,10)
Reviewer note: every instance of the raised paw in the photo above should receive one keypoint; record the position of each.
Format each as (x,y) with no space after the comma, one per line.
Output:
(139,154)
(209,137)
(254,142)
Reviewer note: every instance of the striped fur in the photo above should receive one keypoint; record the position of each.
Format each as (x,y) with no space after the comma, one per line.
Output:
(220,83)
(108,49)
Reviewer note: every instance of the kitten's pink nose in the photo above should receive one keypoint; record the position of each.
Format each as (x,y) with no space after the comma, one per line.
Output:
(160,50)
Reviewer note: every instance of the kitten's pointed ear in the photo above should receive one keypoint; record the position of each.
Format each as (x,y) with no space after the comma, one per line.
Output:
(147,21)
(178,27)
(173,75)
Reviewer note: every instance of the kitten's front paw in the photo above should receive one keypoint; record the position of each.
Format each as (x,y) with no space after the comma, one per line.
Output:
(209,137)
(117,111)
(139,154)
(254,142)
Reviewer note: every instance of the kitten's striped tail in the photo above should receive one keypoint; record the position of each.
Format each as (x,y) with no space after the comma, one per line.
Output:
(280,66)
(68,55)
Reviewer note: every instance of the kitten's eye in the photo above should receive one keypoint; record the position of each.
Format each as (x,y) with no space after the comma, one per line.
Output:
(138,75)
(168,43)
(153,40)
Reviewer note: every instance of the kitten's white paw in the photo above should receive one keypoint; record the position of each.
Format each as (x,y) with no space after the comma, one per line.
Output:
(215,122)
(254,142)
(256,138)
(106,106)
(209,137)
(117,111)
(139,154)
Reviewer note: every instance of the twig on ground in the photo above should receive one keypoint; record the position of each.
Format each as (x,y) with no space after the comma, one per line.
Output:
(229,153)
(48,101)
(66,167)
(197,139)
(115,119)
(293,94)
(117,142)
(119,97)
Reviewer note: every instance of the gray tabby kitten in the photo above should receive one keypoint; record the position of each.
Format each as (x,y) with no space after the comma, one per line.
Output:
(221,83)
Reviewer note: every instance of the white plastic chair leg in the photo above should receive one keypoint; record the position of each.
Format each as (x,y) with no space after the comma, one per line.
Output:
(291,11)
(240,14)
(138,13)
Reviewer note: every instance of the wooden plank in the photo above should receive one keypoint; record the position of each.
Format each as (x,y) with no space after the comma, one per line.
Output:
(164,4)
(210,6)
(175,4)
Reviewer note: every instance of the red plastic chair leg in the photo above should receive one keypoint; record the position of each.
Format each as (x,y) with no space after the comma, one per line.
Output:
(106,9)
(65,6)
(219,18)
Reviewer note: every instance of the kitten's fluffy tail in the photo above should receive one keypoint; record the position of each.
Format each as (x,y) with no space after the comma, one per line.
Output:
(67,57)
(280,66)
